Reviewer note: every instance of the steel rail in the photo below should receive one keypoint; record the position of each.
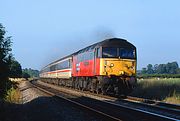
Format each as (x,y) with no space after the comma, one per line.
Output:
(154,102)
(76,103)
(109,116)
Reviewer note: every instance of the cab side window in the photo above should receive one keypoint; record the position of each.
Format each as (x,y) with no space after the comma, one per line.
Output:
(98,55)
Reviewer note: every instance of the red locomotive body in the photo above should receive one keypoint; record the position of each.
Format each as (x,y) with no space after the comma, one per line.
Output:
(85,64)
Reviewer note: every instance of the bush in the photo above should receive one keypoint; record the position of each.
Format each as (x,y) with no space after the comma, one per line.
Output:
(13,96)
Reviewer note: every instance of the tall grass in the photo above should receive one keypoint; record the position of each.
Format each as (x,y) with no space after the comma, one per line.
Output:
(13,96)
(12,93)
(159,89)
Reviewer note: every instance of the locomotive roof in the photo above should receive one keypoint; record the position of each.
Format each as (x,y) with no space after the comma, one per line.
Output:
(112,42)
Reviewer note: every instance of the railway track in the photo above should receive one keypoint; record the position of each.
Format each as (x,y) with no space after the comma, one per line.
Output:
(153,102)
(173,109)
(112,108)
(68,98)
(157,107)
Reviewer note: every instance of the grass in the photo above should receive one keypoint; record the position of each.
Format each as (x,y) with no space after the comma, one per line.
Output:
(13,96)
(167,90)
(10,92)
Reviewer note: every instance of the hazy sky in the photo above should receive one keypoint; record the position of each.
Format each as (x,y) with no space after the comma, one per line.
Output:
(45,30)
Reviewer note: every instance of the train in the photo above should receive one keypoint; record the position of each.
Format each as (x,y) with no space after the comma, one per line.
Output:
(107,67)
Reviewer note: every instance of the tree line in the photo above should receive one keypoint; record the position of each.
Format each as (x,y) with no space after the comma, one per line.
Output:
(5,61)
(30,72)
(17,72)
(170,69)
(9,66)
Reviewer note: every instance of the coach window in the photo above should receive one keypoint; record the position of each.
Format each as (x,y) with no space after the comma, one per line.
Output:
(52,68)
(47,69)
(65,64)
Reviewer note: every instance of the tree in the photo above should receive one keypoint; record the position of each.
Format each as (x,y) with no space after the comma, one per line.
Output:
(150,69)
(172,67)
(31,72)
(5,59)
(5,56)
(143,71)
(161,69)
(169,68)
(155,68)
(15,69)
(178,71)
(25,75)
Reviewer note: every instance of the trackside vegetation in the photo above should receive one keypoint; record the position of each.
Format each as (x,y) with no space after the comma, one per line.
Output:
(9,68)
(13,95)
(163,89)
(159,82)
(5,62)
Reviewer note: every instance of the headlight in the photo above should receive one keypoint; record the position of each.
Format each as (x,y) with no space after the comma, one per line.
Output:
(112,64)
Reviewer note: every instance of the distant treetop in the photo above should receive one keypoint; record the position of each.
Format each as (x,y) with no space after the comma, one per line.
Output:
(169,68)
(31,72)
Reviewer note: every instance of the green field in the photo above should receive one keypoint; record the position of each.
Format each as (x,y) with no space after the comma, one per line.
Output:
(167,89)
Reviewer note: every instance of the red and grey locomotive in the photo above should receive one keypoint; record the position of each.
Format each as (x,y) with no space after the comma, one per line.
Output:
(107,67)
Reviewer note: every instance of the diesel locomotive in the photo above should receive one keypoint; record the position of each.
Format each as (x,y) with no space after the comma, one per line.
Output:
(107,67)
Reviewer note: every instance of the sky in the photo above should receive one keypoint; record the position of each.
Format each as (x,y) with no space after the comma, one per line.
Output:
(45,30)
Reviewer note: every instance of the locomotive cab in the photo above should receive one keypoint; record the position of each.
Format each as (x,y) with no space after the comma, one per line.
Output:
(117,70)
(118,61)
